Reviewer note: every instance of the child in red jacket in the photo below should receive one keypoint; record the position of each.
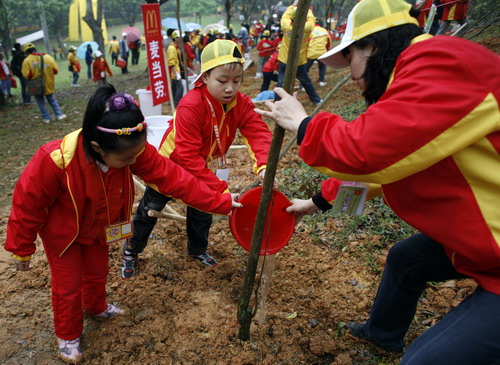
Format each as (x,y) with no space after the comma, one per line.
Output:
(266,48)
(77,194)
(270,71)
(99,69)
(204,126)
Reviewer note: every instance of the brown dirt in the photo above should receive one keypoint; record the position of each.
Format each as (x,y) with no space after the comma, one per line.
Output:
(179,313)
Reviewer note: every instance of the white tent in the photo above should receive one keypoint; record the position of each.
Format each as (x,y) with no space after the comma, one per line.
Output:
(30,37)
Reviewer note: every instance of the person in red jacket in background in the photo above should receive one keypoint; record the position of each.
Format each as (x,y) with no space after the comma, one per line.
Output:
(266,47)
(453,10)
(270,71)
(77,194)
(188,48)
(429,141)
(204,126)
(99,68)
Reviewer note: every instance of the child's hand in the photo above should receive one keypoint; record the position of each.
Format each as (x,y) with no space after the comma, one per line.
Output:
(301,208)
(234,198)
(22,265)
(262,174)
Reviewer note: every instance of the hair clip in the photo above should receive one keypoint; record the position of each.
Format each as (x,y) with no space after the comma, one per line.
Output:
(119,101)
(124,131)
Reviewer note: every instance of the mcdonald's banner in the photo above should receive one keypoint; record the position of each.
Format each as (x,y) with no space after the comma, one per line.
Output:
(154,50)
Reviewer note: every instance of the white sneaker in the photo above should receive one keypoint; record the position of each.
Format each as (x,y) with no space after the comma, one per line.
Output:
(110,312)
(322,83)
(77,85)
(70,351)
(46,121)
(61,117)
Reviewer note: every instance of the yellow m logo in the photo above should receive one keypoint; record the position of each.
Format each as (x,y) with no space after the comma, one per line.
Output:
(151,20)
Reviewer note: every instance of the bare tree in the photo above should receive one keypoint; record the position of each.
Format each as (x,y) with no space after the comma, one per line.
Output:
(128,11)
(95,22)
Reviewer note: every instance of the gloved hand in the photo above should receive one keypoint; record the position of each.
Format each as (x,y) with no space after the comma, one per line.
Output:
(177,76)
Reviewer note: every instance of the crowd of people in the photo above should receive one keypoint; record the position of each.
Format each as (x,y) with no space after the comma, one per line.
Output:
(429,148)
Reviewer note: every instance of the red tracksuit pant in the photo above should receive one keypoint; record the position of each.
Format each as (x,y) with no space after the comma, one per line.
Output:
(78,284)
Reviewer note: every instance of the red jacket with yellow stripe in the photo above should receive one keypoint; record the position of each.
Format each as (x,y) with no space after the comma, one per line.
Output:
(433,143)
(454,10)
(61,196)
(191,141)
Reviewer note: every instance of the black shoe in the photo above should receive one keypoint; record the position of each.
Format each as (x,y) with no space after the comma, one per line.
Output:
(205,259)
(357,330)
(129,261)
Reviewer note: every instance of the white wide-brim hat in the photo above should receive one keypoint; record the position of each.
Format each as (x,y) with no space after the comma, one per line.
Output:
(368,17)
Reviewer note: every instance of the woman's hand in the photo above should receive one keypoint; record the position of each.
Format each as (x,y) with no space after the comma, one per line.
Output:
(287,112)
(22,265)
(235,203)
(301,208)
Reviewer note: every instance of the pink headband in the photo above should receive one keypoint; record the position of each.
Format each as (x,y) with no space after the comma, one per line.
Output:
(124,131)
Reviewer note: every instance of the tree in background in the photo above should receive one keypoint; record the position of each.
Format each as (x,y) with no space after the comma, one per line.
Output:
(10,12)
(94,22)
(128,11)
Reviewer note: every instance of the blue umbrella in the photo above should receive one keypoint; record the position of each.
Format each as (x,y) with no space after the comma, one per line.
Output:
(193,26)
(80,52)
(172,24)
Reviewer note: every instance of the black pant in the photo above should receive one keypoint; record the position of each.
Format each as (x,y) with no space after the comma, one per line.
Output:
(114,57)
(267,78)
(135,56)
(197,224)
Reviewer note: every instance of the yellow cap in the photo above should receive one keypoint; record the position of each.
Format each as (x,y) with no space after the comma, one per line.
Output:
(28,46)
(368,17)
(266,33)
(175,34)
(217,53)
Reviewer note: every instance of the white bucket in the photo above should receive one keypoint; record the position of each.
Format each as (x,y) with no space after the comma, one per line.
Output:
(157,125)
(190,81)
(146,103)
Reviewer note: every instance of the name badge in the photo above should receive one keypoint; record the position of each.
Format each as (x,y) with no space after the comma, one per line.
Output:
(223,174)
(350,198)
(118,231)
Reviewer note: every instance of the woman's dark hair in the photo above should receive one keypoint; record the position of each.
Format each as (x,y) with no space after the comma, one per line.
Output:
(98,113)
(388,45)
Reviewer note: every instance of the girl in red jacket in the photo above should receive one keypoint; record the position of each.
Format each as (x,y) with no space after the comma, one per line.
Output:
(205,125)
(429,141)
(77,194)
(99,68)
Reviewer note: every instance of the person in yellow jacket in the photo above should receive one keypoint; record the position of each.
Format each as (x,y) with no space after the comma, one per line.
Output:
(32,69)
(114,50)
(319,44)
(74,65)
(286,26)
(174,67)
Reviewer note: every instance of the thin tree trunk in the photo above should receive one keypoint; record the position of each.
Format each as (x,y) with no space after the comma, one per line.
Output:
(183,51)
(245,314)
(95,23)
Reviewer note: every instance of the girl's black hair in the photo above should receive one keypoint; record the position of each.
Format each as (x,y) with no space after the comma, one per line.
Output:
(388,45)
(98,115)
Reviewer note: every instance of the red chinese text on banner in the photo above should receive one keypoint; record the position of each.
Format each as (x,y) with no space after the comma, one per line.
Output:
(154,46)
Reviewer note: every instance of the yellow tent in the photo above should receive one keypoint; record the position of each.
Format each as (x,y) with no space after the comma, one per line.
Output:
(79,30)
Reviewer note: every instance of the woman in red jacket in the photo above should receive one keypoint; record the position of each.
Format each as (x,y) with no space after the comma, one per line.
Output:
(430,141)
(77,194)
